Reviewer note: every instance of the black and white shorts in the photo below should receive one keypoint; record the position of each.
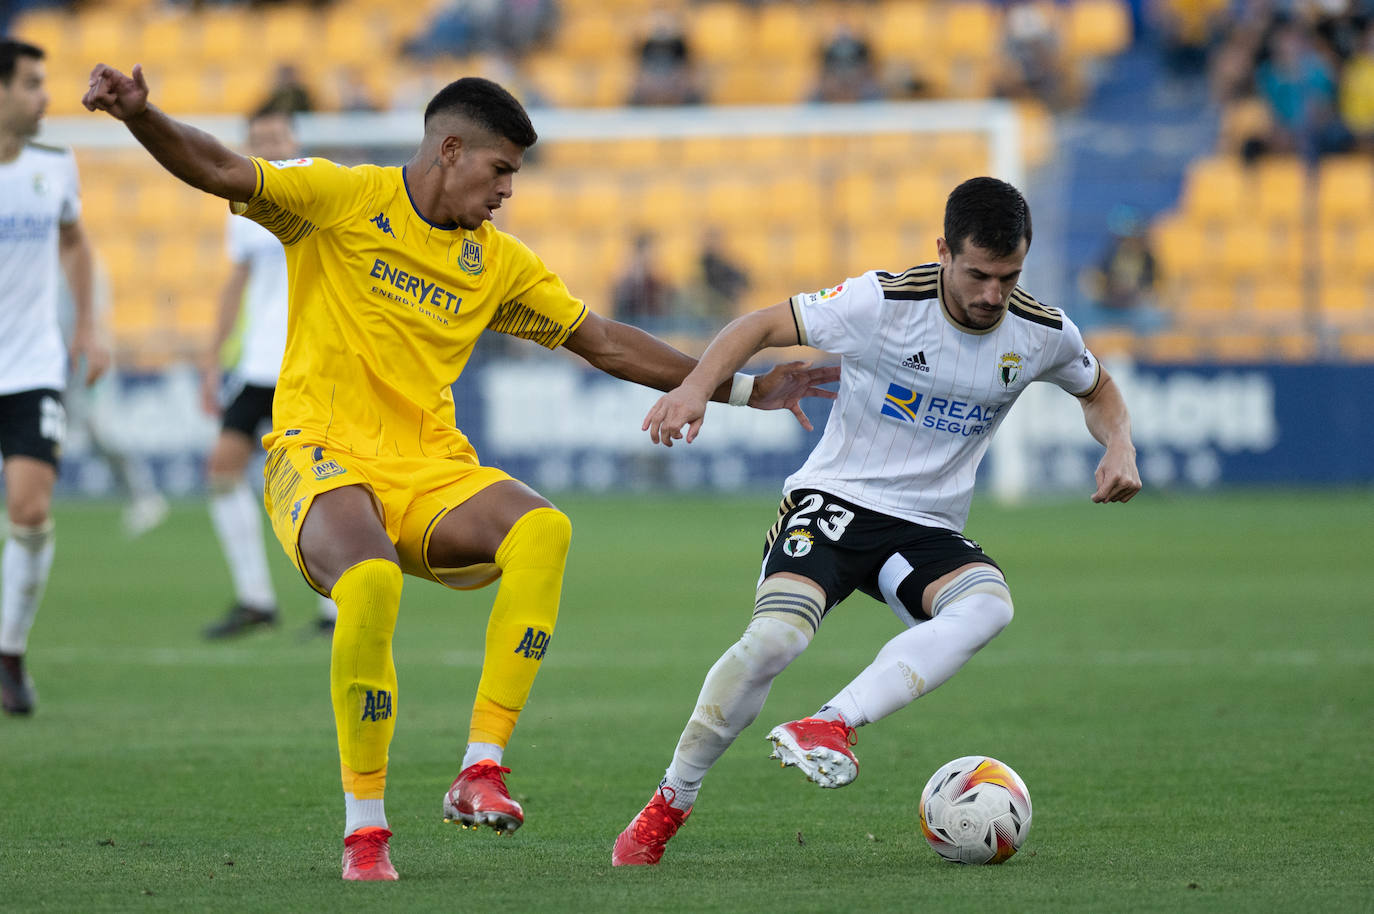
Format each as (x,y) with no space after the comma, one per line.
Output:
(33,423)
(250,408)
(844,547)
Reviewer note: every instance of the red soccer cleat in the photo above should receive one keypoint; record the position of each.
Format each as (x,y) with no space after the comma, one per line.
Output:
(367,856)
(643,841)
(820,748)
(478,796)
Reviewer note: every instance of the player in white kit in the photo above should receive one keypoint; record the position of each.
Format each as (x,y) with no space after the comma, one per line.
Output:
(258,284)
(40,235)
(931,361)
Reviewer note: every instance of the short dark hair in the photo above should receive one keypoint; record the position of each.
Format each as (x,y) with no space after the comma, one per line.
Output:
(989,213)
(487,105)
(11,50)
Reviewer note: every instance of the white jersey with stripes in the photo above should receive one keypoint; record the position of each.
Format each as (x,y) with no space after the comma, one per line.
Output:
(921,395)
(39,194)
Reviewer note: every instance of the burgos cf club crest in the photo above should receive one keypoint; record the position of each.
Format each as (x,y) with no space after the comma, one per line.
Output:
(1009,368)
(798,543)
(471,258)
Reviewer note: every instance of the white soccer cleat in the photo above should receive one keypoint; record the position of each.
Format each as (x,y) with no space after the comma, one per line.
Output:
(820,748)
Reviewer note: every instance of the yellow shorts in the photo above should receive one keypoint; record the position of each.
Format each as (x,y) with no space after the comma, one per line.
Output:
(410,494)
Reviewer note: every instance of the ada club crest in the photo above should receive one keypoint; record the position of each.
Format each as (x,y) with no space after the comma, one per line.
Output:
(797,544)
(1009,368)
(471,257)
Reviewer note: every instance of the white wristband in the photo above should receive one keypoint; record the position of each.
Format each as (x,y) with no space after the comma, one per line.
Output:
(741,388)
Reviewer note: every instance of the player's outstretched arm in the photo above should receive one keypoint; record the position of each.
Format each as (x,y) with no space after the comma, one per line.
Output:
(727,354)
(1105,413)
(192,155)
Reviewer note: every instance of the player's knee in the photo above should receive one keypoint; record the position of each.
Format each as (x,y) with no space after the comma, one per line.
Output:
(541,536)
(33,537)
(769,644)
(980,591)
(29,512)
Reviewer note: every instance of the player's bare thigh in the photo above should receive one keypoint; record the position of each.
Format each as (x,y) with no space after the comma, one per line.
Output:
(28,490)
(937,585)
(470,533)
(340,530)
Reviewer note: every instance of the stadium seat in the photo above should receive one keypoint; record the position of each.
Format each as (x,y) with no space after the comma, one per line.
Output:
(782,33)
(1096,28)
(1345,304)
(1280,189)
(1181,245)
(1243,346)
(1278,303)
(1357,345)
(1345,189)
(593,37)
(1244,246)
(1216,190)
(1207,303)
(971,29)
(718,32)
(1172,346)
(902,31)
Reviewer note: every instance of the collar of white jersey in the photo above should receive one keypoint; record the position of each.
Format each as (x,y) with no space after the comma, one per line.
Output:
(954,322)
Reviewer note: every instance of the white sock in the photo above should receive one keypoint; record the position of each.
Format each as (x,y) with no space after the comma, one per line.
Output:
(328,609)
(24,568)
(235,514)
(921,658)
(476,752)
(363,814)
(730,700)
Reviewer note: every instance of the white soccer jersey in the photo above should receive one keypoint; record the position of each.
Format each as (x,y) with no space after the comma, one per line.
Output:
(920,395)
(264,300)
(39,193)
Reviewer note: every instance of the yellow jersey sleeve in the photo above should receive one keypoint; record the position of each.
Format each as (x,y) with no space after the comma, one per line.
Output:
(537,305)
(297,197)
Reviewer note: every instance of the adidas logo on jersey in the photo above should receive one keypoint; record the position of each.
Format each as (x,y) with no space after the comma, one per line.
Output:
(917,361)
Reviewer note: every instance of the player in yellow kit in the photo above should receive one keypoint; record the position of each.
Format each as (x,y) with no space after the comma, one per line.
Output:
(394,273)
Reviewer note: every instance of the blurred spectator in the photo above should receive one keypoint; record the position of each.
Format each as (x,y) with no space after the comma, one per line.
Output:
(1299,84)
(719,283)
(288,93)
(353,91)
(666,75)
(642,296)
(1032,67)
(1119,291)
(1189,30)
(846,70)
(463,27)
(1357,92)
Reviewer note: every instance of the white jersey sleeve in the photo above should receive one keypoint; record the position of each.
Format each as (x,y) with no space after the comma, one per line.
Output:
(71,197)
(839,319)
(1072,366)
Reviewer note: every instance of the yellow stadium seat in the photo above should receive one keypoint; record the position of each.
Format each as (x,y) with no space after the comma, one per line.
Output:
(1110,342)
(1345,189)
(718,32)
(1244,346)
(1345,304)
(1277,304)
(1096,28)
(1357,345)
(783,31)
(101,35)
(662,201)
(860,201)
(226,34)
(1280,189)
(972,29)
(595,37)
(1346,251)
(1216,189)
(902,30)
(1181,246)
(1173,346)
(349,40)
(791,200)
(1300,346)
(1243,249)
(1207,303)
(48,29)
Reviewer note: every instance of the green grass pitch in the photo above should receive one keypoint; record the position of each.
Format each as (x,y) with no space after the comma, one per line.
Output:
(1187,690)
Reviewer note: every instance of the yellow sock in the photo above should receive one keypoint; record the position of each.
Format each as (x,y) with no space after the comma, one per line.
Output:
(531,558)
(362,675)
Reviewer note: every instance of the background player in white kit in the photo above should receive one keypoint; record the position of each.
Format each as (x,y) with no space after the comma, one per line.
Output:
(931,360)
(40,232)
(258,283)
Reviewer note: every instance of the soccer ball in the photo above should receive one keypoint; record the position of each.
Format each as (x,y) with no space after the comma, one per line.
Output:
(975,810)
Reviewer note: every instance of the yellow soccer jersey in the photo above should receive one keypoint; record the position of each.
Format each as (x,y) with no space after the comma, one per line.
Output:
(385,307)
